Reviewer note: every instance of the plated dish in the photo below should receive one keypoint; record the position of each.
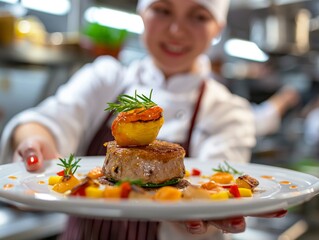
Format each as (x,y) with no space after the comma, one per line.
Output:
(278,189)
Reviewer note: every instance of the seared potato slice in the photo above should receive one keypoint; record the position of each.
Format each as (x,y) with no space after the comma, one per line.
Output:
(138,127)
(247,181)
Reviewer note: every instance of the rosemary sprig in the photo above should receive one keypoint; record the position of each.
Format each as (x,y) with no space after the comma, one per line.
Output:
(227,169)
(70,165)
(126,103)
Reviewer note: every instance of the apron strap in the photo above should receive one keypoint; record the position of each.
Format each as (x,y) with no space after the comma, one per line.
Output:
(187,143)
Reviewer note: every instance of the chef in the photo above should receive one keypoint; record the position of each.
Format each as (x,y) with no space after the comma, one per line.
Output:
(200,113)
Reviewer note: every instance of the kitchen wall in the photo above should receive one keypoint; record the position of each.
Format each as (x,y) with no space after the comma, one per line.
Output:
(286,65)
(20,88)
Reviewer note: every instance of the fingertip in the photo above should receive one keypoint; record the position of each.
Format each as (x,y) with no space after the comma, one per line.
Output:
(233,225)
(17,157)
(196,227)
(278,214)
(282,213)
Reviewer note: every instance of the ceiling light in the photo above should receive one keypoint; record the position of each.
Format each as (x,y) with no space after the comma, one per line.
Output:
(114,19)
(56,7)
(245,49)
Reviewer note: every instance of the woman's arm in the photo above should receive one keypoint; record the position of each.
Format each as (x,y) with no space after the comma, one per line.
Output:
(68,119)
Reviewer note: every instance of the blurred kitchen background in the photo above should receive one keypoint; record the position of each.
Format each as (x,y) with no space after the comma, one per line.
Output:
(267,45)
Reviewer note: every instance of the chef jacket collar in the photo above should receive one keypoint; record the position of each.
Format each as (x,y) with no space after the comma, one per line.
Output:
(151,75)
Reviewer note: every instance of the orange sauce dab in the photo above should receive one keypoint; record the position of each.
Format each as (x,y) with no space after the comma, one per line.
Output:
(8,186)
(29,192)
(268,177)
(12,177)
(140,114)
(285,182)
(293,187)
(41,182)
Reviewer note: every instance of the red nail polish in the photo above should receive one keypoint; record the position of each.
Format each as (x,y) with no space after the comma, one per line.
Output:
(281,213)
(235,222)
(194,225)
(32,160)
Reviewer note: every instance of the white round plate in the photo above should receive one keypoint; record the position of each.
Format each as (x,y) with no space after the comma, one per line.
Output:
(17,186)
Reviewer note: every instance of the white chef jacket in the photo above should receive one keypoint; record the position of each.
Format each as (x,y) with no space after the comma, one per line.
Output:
(225,124)
(267,118)
(224,129)
(311,126)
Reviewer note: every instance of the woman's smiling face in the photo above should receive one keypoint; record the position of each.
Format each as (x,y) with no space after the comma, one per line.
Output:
(177,32)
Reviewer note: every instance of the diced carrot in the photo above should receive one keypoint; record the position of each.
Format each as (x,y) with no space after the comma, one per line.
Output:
(222,177)
(95,173)
(125,189)
(112,192)
(209,185)
(64,185)
(168,193)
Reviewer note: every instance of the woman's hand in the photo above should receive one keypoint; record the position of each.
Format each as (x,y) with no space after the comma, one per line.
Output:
(33,143)
(231,225)
(33,151)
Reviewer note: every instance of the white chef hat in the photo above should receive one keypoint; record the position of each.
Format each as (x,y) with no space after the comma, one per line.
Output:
(218,8)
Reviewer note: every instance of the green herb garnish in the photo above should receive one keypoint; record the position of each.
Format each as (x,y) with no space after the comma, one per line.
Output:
(70,165)
(139,182)
(227,169)
(167,183)
(126,103)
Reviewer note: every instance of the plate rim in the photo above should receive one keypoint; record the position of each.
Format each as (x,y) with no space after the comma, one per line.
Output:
(124,208)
